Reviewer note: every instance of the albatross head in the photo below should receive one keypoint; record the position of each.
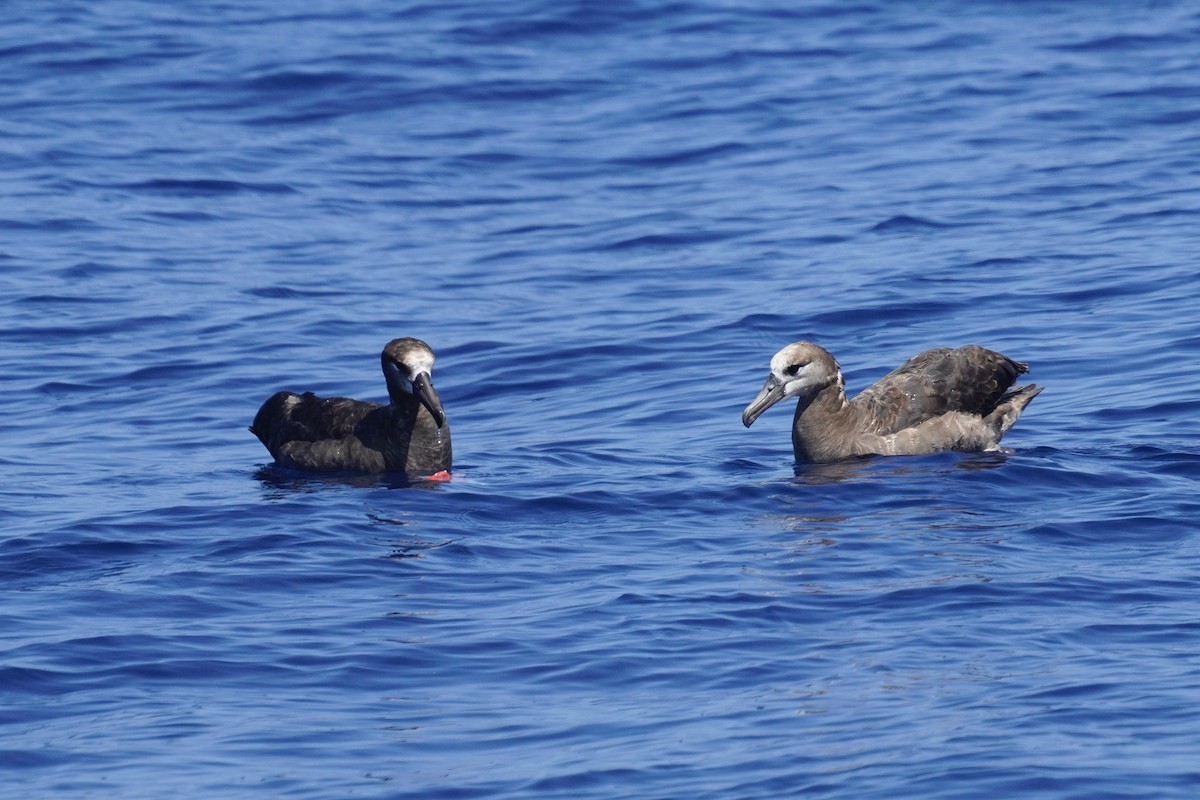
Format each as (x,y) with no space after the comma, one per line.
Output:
(798,370)
(407,364)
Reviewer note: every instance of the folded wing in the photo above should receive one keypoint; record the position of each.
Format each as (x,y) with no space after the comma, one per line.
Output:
(969,379)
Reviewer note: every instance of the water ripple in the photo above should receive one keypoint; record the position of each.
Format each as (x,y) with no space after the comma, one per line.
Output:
(605,218)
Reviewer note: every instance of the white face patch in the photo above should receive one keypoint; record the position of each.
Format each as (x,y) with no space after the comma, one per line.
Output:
(397,374)
(804,369)
(415,362)
(418,362)
(782,360)
(798,383)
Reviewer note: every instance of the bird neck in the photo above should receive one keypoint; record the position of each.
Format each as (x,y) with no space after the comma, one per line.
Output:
(405,406)
(823,423)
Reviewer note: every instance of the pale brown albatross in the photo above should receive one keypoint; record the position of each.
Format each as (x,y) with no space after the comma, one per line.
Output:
(337,434)
(939,400)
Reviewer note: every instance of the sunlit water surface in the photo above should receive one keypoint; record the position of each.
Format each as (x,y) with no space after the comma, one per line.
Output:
(605,218)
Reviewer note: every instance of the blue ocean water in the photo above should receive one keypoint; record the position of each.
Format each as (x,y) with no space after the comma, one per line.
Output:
(605,218)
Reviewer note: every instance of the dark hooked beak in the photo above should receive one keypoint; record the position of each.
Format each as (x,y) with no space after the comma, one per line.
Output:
(423,389)
(772,393)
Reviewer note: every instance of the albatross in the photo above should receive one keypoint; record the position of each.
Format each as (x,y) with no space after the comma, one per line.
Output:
(336,434)
(941,399)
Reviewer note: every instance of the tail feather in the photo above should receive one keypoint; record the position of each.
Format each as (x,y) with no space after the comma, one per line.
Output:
(1010,407)
(1021,396)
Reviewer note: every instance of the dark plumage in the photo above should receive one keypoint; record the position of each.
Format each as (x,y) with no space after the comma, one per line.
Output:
(409,435)
(938,400)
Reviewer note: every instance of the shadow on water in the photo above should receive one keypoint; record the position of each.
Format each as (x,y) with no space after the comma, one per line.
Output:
(284,481)
(416,549)
(898,466)
(395,532)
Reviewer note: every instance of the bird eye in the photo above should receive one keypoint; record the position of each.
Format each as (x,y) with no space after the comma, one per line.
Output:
(792,369)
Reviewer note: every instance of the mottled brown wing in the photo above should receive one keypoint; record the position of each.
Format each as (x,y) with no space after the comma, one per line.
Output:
(970,379)
(288,417)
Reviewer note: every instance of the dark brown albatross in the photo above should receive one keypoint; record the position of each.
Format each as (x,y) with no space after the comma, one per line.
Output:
(408,435)
(939,400)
